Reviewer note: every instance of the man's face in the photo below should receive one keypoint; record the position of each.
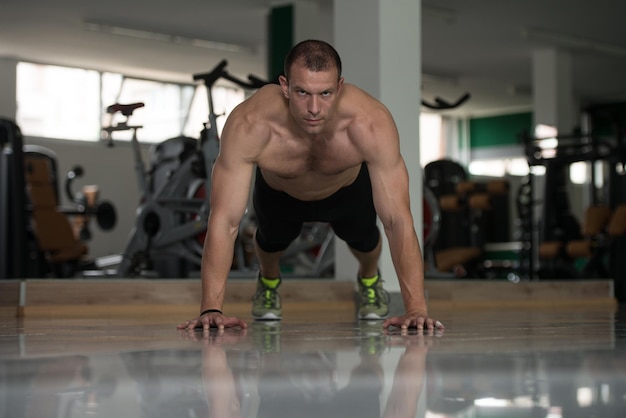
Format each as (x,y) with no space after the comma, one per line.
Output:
(312,96)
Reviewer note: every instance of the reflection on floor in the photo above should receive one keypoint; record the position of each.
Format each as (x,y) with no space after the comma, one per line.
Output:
(487,363)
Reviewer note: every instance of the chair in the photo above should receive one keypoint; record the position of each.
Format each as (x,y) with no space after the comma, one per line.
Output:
(52,229)
(601,229)
(463,258)
(617,224)
(558,255)
(596,220)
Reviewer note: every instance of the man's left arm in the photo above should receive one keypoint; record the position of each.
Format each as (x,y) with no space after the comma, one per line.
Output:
(390,187)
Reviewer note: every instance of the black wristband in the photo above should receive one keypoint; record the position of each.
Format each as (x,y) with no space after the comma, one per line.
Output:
(206,311)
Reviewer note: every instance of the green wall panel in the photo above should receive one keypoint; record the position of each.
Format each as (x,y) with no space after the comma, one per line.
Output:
(500,130)
(280,38)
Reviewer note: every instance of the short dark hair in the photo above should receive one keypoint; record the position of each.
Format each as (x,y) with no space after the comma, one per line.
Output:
(316,55)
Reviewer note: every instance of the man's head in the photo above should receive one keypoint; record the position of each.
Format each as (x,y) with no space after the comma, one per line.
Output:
(312,83)
(314,55)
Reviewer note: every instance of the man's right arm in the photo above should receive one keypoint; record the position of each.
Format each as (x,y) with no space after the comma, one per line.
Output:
(243,138)
(229,198)
(230,188)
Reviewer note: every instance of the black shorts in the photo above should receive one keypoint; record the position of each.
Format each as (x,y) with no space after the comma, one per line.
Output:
(350,212)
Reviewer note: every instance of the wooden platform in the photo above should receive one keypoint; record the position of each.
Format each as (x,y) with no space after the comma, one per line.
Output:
(96,298)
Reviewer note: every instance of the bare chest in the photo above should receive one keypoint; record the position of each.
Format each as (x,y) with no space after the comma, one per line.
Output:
(310,170)
(292,158)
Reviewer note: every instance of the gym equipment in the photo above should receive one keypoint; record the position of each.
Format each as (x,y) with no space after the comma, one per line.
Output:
(168,236)
(432,223)
(613,115)
(472,215)
(441,177)
(168,218)
(525,204)
(441,104)
(549,238)
(556,255)
(52,229)
(61,249)
(29,209)
(614,245)
(600,227)
(13,220)
(88,205)
(451,247)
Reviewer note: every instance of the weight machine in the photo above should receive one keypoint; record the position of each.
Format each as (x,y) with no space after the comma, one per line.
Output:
(37,239)
(13,220)
(546,237)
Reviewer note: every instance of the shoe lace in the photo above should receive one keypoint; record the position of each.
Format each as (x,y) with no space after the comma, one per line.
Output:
(371,296)
(269,296)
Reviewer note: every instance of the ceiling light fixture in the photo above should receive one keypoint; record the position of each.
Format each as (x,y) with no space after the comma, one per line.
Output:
(164,37)
(568,41)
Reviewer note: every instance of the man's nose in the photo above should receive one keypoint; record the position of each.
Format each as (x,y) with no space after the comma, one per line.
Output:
(314,105)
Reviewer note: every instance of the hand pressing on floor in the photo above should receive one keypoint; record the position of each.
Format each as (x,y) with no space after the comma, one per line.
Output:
(212,318)
(419,320)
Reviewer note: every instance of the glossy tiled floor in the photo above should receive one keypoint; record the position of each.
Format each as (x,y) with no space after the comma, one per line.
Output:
(518,363)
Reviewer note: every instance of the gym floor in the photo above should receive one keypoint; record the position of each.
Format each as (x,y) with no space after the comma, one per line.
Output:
(491,362)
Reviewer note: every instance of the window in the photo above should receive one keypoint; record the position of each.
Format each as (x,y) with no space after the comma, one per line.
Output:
(499,167)
(165,106)
(70,103)
(58,102)
(431,140)
(225,99)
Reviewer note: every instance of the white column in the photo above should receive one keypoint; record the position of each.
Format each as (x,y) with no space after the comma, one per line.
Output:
(553,97)
(8,87)
(379,43)
(554,105)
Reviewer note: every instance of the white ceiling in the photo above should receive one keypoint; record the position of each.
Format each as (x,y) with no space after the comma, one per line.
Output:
(473,46)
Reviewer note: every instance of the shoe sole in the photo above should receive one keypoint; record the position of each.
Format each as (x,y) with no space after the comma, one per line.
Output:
(372,316)
(268,317)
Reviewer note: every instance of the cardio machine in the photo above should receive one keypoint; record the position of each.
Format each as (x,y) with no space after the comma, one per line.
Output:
(168,236)
(169,221)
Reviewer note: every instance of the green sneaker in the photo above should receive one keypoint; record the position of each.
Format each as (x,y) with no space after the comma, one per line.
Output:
(266,301)
(374,300)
